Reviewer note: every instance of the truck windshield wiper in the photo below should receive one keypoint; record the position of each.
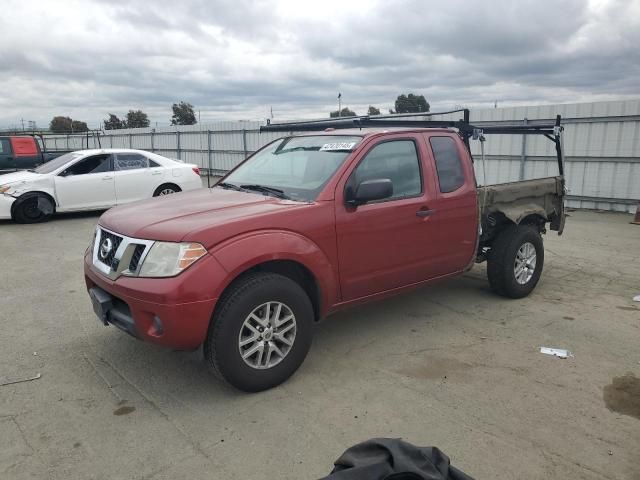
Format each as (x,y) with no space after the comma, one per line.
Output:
(229,186)
(276,192)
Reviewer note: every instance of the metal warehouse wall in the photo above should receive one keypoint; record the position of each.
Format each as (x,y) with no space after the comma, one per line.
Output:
(602,148)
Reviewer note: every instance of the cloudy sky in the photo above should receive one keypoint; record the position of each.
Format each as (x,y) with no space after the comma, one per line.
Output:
(236,59)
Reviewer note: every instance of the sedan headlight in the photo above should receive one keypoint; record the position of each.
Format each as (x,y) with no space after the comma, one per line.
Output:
(5,188)
(166,259)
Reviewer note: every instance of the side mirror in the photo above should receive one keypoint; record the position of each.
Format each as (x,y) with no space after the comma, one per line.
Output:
(371,190)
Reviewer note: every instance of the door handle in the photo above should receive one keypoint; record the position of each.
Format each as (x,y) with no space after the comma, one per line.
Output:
(156,173)
(107,178)
(424,213)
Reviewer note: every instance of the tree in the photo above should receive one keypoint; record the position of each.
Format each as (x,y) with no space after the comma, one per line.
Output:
(137,119)
(411,104)
(345,112)
(78,126)
(60,124)
(114,123)
(67,125)
(373,110)
(183,114)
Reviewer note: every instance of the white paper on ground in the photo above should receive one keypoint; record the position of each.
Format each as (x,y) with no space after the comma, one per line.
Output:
(636,298)
(556,352)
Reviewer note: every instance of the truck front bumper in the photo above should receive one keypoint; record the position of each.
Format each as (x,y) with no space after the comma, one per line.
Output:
(174,312)
(5,206)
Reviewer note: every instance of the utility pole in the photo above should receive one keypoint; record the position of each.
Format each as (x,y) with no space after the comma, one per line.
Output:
(22,120)
(339,104)
(199,116)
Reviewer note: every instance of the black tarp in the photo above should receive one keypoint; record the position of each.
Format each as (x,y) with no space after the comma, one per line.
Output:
(393,459)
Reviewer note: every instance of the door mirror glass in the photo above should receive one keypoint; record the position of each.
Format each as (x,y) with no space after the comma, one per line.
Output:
(371,190)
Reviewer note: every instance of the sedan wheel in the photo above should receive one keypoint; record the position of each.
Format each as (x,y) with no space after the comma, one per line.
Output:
(166,189)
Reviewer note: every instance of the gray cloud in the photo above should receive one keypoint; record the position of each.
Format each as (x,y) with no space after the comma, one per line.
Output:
(236,59)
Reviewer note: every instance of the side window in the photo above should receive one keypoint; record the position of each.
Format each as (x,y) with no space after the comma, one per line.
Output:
(396,160)
(448,163)
(131,161)
(4,147)
(93,164)
(153,164)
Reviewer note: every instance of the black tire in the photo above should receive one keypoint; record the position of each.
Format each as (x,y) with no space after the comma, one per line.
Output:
(502,258)
(222,350)
(165,189)
(33,208)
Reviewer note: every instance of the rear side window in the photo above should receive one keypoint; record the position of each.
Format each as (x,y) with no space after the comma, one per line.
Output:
(131,161)
(448,163)
(396,160)
(24,146)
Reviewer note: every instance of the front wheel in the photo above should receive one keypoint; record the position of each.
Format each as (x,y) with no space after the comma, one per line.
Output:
(515,261)
(260,333)
(33,208)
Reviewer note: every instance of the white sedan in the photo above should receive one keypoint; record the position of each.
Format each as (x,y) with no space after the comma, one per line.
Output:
(92,180)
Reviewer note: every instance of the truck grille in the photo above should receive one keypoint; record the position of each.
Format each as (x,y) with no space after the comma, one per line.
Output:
(107,255)
(136,256)
(115,254)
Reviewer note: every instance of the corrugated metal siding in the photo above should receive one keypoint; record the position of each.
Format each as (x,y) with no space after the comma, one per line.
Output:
(602,148)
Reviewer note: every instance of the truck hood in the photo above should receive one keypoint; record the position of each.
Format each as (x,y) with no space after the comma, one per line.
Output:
(207,216)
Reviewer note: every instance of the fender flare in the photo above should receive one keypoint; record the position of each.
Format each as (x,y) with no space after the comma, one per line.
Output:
(239,254)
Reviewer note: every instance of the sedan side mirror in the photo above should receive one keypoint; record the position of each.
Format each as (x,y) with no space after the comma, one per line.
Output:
(371,190)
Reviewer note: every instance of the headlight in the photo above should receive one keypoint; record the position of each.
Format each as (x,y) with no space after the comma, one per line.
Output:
(5,188)
(166,259)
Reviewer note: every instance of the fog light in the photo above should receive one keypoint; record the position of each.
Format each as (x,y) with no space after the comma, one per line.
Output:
(156,328)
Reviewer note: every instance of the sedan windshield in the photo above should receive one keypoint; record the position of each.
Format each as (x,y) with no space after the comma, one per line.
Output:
(56,163)
(294,167)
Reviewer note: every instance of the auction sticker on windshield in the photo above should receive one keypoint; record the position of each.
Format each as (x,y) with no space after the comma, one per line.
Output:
(338,146)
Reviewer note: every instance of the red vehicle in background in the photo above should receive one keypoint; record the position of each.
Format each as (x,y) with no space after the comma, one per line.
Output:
(23,152)
(308,225)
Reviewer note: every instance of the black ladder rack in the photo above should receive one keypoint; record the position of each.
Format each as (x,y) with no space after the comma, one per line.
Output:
(553,131)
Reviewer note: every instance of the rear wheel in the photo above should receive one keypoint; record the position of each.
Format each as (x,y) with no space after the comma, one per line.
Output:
(515,261)
(33,208)
(166,189)
(261,332)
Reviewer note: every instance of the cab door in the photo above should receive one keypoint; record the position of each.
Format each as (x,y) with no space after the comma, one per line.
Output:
(87,184)
(386,244)
(455,204)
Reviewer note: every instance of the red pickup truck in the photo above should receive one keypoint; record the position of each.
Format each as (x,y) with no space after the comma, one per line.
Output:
(306,226)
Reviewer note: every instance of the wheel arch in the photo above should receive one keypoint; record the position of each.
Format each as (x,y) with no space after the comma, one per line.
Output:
(285,253)
(32,193)
(293,270)
(164,185)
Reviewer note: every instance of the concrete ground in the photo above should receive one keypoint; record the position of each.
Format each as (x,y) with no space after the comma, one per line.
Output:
(452,366)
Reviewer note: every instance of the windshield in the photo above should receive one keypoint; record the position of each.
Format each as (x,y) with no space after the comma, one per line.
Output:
(298,167)
(56,163)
